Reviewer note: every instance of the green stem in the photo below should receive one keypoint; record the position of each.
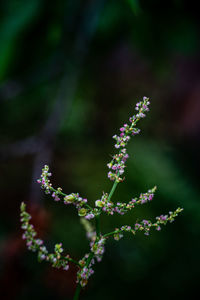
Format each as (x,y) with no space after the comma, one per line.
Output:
(91,255)
(73,261)
(112,190)
(77,292)
(89,207)
(111,233)
(97,219)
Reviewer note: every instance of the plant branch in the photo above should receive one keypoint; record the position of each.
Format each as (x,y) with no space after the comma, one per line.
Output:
(74,261)
(63,194)
(112,233)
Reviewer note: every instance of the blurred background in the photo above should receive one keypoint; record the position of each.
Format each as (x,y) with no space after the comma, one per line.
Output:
(71,72)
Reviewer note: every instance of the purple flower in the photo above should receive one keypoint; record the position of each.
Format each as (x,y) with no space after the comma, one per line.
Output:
(42,257)
(163,218)
(29,243)
(151,197)
(89,216)
(24,236)
(39,242)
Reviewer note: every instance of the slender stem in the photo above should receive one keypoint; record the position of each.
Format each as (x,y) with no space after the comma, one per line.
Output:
(112,190)
(111,233)
(97,219)
(59,192)
(91,255)
(73,261)
(88,206)
(77,292)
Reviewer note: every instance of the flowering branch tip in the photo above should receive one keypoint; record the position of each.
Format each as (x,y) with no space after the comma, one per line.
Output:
(104,204)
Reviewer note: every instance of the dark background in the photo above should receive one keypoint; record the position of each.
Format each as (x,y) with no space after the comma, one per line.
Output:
(71,73)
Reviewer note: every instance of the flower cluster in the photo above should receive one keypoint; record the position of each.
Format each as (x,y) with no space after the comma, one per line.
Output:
(145,225)
(29,234)
(97,247)
(117,164)
(80,203)
(45,182)
(86,269)
(84,274)
(87,262)
(35,244)
(121,208)
(118,232)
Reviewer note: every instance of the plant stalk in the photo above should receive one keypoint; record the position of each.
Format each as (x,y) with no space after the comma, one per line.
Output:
(112,190)
(97,219)
(77,292)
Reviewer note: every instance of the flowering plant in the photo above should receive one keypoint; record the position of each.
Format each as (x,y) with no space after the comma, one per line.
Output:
(103,205)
